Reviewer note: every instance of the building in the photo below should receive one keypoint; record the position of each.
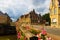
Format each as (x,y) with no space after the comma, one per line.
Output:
(34,17)
(4,19)
(6,24)
(55,13)
(31,18)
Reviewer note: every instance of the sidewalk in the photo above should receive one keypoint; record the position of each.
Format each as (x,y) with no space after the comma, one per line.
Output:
(54,31)
(54,37)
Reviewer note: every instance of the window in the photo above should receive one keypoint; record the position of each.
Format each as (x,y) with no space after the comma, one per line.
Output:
(55,11)
(52,2)
(54,20)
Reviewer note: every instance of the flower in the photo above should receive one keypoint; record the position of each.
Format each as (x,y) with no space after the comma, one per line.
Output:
(49,38)
(27,27)
(39,38)
(19,35)
(44,32)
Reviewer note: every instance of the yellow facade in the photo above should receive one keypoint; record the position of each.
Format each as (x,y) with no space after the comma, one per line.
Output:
(55,13)
(24,19)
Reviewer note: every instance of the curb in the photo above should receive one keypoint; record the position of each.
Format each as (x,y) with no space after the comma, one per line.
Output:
(54,37)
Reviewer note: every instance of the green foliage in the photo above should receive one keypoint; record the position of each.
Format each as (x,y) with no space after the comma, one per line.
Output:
(46,17)
(22,34)
(22,38)
(43,37)
(34,31)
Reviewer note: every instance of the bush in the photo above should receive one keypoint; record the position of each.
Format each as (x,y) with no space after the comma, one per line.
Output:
(22,34)
(35,31)
(22,38)
(43,37)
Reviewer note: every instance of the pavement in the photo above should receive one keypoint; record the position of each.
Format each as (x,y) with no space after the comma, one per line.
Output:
(54,33)
(54,37)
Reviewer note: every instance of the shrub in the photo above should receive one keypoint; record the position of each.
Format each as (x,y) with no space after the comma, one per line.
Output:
(35,31)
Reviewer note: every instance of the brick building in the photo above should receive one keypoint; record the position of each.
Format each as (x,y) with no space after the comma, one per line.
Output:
(32,17)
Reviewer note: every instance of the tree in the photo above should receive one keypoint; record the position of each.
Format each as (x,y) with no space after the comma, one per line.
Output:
(47,18)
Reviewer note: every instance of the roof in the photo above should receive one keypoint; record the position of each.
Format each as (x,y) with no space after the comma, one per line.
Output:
(1,13)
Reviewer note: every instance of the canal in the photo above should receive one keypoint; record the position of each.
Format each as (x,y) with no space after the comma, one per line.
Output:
(8,37)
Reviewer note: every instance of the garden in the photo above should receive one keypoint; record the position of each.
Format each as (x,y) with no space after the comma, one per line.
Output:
(41,34)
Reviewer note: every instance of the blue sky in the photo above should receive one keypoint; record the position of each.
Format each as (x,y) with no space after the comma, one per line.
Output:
(16,8)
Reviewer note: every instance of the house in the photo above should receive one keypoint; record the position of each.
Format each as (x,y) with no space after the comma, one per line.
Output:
(4,19)
(55,13)
(31,18)
(6,24)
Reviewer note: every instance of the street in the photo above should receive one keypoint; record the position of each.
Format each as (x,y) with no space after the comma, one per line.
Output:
(54,31)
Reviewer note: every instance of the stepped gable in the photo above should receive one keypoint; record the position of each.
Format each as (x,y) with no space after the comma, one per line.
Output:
(32,12)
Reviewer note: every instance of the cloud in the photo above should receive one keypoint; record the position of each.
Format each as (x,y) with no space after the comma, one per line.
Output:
(13,19)
(44,7)
(15,8)
(38,2)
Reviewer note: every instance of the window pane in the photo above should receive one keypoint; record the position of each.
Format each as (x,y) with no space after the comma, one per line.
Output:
(55,11)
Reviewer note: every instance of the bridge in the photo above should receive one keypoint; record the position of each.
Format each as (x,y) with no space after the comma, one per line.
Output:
(26,32)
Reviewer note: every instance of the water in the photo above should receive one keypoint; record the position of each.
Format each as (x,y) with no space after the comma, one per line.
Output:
(8,37)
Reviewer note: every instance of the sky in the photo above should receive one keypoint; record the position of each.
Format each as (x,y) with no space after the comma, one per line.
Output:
(16,8)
